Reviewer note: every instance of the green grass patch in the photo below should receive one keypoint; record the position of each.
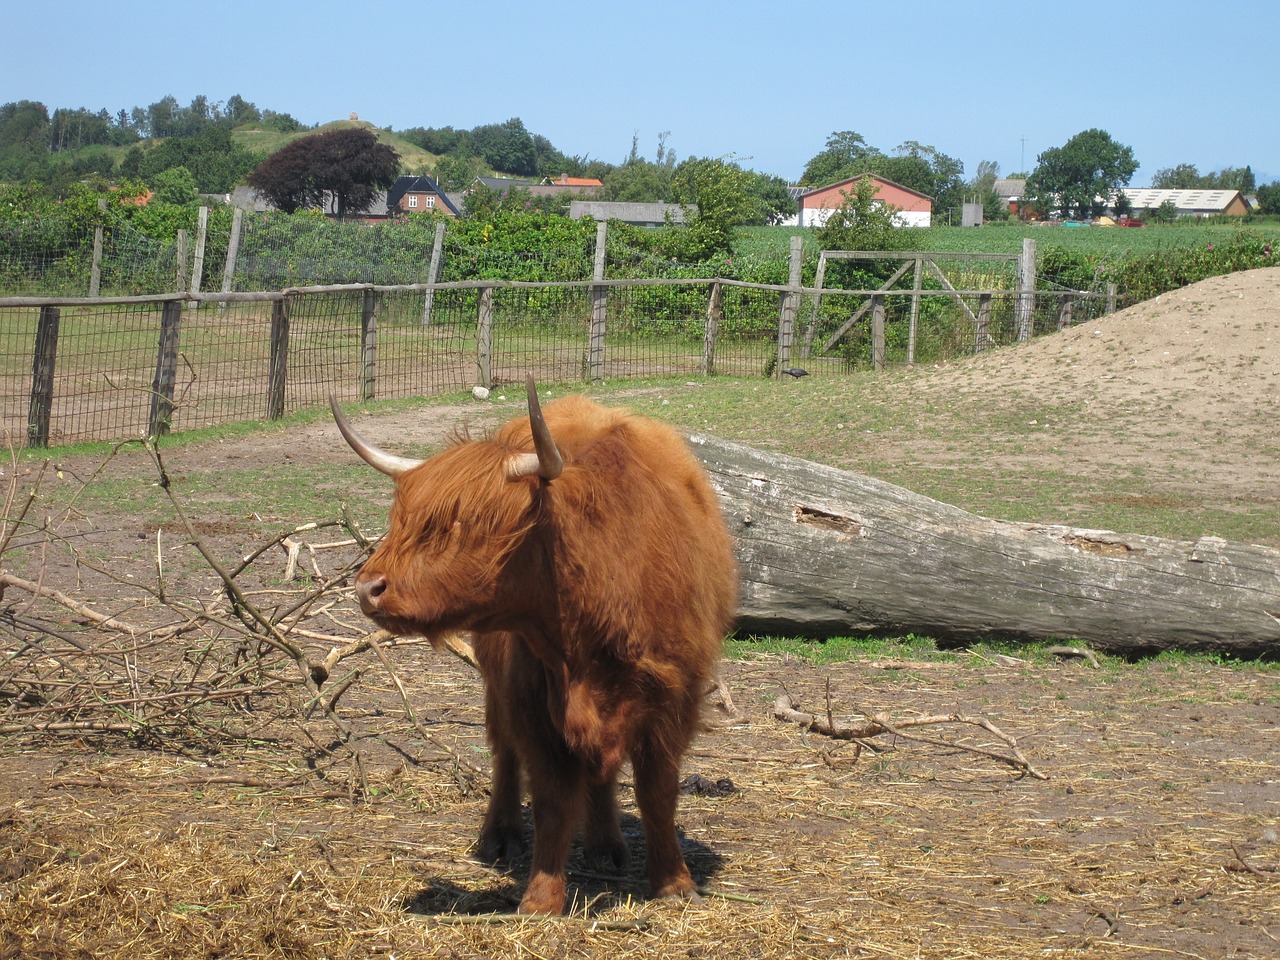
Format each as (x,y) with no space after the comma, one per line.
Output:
(835,649)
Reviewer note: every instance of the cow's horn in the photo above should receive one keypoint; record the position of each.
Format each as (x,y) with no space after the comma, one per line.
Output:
(388,463)
(546,462)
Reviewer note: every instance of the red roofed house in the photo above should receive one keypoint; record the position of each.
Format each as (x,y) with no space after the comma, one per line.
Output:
(914,209)
(566,181)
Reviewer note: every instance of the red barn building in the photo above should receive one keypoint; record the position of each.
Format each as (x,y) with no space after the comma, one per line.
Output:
(914,209)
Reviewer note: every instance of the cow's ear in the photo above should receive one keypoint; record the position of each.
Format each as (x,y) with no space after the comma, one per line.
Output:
(546,462)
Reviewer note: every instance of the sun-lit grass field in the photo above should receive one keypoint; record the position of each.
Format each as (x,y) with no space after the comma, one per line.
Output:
(1007,238)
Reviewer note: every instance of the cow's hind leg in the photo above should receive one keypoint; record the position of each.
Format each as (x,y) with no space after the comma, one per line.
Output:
(602,843)
(502,835)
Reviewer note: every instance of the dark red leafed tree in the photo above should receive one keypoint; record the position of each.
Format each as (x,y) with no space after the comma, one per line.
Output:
(351,166)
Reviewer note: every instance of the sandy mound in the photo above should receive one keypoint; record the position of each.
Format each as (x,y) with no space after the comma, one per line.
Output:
(1188,384)
(1212,343)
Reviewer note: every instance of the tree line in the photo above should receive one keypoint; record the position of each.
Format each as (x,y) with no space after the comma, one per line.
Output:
(179,151)
(166,143)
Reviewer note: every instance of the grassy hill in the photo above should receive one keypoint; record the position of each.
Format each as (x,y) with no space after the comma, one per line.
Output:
(269,141)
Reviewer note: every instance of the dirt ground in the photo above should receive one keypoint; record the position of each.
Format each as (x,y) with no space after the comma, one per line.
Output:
(1155,834)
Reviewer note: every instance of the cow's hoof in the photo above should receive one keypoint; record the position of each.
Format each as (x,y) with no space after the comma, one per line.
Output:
(545,895)
(500,844)
(682,888)
(606,854)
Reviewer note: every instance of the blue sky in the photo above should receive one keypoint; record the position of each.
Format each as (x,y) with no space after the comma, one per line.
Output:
(764,82)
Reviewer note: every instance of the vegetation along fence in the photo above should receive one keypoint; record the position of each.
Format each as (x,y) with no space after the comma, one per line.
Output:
(79,369)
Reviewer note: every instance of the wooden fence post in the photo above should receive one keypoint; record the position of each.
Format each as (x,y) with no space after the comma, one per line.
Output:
(484,339)
(599,310)
(95,271)
(915,311)
(180,272)
(981,334)
(40,409)
(815,306)
(433,274)
(197,267)
(790,306)
(278,373)
(368,343)
(877,331)
(1065,307)
(715,312)
(1026,302)
(1111,298)
(162,386)
(233,251)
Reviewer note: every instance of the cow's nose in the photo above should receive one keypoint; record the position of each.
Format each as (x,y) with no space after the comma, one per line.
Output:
(369,591)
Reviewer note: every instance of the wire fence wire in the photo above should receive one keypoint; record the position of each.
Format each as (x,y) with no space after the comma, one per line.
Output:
(75,370)
(57,257)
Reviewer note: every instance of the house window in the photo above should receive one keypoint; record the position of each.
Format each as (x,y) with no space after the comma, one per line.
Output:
(431,201)
(413,203)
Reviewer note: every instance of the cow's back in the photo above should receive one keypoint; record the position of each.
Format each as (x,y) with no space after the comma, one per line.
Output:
(641,532)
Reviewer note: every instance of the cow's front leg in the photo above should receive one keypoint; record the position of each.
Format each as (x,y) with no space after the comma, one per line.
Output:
(502,835)
(657,775)
(557,811)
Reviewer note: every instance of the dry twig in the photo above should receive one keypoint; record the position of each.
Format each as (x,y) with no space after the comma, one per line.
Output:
(785,708)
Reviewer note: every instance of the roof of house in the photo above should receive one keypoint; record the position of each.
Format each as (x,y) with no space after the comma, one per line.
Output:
(858,178)
(406,185)
(502,184)
(641,213)
(249,199)
(565,181)
(1011,188)
(1148,198)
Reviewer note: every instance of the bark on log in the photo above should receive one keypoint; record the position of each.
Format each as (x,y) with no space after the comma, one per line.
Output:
(824,552)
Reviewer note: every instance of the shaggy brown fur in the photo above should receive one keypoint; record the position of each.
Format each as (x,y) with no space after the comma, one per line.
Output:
(599,602)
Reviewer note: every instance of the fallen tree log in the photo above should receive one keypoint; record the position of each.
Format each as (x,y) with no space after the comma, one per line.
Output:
(824,552)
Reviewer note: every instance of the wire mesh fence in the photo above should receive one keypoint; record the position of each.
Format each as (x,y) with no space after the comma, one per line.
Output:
(76,369)
(61,257)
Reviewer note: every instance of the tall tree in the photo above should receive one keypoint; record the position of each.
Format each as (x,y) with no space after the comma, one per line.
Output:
(774,203)
(638,181)
(24,139)
(844,155)
(241,111)
(1269,197)
(162,117)
(508,147)
(981,188)
(214,159)
(945,174)
(721,192)
(1184,176)
(349,165)
(1079,177)
(1232,178)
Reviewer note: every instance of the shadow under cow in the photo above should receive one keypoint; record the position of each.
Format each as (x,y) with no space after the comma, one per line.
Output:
(588,890)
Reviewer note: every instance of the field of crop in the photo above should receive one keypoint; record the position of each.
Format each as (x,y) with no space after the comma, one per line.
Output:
(1007,238)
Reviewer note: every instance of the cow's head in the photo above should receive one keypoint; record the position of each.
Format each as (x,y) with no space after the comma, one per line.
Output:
(457,520)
